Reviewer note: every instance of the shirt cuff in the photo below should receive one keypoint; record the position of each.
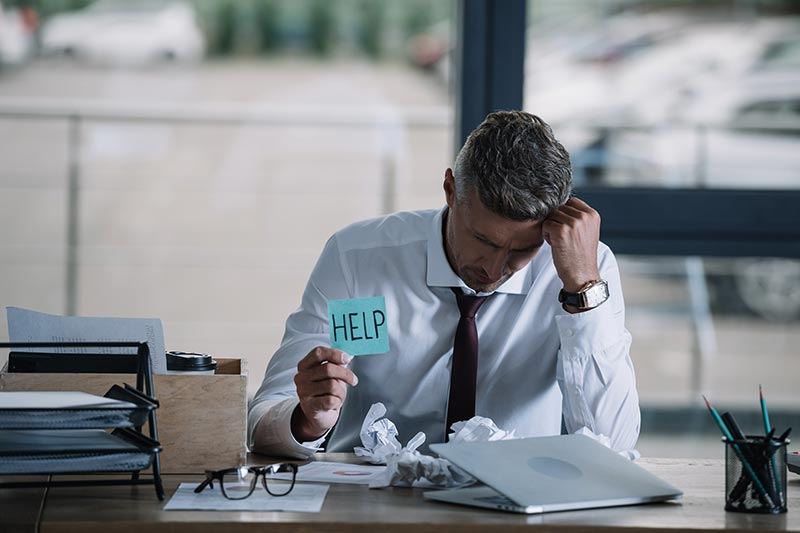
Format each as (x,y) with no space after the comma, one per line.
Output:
(278,438)
(589,332)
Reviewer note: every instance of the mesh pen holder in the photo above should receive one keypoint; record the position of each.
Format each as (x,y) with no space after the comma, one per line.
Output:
(755,475)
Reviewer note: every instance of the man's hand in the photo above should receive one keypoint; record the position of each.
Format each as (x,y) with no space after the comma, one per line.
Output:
(573,232)
(321,383)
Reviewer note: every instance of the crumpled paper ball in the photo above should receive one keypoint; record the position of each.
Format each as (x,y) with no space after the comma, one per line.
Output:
(478,429)
(378,436)
(405,466)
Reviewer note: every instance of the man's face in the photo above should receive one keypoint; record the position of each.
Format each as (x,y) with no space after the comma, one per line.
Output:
(483,248)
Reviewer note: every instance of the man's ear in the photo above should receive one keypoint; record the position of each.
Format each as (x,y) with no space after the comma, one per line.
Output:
(449,188)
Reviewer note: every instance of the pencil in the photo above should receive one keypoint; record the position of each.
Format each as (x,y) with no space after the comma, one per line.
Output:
(764,412)
(727,434)
(769,431)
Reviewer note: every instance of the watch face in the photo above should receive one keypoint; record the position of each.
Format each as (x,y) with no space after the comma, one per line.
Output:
(596,295)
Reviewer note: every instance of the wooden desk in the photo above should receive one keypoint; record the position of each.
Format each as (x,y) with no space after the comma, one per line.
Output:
(357,508)
(20,509)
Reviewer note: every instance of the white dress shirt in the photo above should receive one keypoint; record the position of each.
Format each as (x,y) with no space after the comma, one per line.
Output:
(536,361)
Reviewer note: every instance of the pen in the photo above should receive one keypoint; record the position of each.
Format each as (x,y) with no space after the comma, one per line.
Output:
(733,427)
(745,462)
(740,489)
(769,431)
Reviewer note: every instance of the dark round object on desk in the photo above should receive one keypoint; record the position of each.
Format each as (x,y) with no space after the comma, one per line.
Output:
(190,362)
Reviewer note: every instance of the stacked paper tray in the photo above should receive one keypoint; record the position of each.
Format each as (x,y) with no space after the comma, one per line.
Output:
(74,451)
(72,410)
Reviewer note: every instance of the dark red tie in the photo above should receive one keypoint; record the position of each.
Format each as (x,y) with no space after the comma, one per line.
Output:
(464,370)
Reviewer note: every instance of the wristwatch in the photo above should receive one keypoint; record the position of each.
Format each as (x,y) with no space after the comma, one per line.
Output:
(589,296)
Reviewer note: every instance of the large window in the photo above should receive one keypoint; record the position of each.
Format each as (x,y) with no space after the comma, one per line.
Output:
(194,172)
(195,177)
(683,122)
(670,94)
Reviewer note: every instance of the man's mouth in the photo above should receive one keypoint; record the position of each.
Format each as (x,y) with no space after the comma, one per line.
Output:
(485,280)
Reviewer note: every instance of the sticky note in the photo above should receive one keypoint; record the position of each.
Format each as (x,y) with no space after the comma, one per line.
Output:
(358,325)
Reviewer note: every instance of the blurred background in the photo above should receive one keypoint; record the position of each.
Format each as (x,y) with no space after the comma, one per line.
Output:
(187,160)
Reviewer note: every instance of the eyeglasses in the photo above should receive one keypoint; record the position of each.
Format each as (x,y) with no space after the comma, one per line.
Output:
(240,482)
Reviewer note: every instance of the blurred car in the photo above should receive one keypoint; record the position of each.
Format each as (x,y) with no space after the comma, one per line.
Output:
(17,30)
(120,32)
(782,53)
(770,103)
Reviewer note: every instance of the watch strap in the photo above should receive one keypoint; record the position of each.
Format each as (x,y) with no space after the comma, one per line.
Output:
(591,295)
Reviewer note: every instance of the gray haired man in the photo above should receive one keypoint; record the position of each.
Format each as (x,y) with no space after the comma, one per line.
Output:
(502,304)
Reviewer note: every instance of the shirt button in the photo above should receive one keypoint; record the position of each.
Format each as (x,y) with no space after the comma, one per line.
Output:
(569,332)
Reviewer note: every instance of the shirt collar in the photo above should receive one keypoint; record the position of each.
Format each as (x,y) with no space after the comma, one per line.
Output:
(441,275)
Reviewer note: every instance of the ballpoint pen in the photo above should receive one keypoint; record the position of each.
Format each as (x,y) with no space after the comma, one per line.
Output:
(727,434)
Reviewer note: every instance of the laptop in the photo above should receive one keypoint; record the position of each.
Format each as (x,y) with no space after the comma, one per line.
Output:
(545,474)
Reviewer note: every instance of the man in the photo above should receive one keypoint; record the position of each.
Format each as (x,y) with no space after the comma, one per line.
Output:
(545,337)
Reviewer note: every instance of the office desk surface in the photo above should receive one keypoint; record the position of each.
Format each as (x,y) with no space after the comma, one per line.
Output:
(357,508)
(20,508)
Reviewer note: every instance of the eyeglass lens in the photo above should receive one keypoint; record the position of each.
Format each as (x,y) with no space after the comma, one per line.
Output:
(238,483)
(279,479)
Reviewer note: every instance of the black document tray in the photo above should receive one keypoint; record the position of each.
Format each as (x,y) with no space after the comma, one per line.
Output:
(75,451)
(95,416)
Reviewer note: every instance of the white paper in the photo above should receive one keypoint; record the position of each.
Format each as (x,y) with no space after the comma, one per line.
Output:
(31,326)
(412,469)
(303,499)
(378,436)
(62,410)
(478,429)
(325,472)
(59,400)
(405,466)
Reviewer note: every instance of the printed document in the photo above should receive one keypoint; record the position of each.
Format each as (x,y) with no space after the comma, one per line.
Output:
(325,472)
(303,499)
(30,326)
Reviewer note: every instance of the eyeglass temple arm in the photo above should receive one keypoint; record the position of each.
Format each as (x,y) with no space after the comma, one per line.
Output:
(206,482)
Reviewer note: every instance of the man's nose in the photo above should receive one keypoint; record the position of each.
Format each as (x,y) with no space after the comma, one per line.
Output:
(496,265)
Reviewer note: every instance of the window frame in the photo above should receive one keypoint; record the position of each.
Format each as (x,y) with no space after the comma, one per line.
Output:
(490,74)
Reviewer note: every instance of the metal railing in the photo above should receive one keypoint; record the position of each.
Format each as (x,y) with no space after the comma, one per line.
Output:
(387,122)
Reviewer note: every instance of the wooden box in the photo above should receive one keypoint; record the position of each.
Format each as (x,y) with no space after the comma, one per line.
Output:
(202,420)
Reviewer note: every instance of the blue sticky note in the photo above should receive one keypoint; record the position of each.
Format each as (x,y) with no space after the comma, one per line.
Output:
(358,325)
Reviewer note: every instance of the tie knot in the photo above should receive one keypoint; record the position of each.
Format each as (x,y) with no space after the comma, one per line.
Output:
(468,305)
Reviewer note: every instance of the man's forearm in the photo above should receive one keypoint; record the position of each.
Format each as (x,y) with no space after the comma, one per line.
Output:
(597,381)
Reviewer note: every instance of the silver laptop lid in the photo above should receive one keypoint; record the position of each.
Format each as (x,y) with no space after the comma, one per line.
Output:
(558,473)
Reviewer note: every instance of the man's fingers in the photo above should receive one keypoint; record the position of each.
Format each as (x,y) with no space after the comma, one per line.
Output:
(322,354)
(560,217)
(325,403)
(330,371)
(331,387)
(583,207)
(578,204)
(570,214)
(573,212)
